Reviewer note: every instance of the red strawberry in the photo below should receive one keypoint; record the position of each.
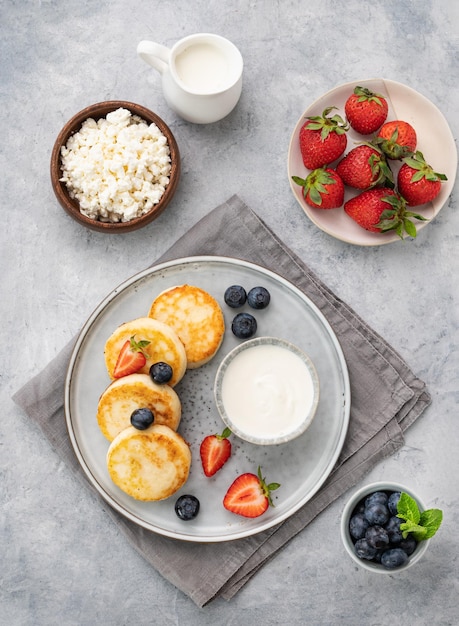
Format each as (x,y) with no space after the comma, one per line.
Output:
(215,450)
(249,495)
(322,139)
(381,210)
(417,182)
(366,111)
(322,188)
(397,139)
(365,167)
(131,358)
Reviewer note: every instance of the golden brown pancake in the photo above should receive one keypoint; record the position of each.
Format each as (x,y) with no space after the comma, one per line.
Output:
(136,391)
(197,319)
(149,464)
(164,345)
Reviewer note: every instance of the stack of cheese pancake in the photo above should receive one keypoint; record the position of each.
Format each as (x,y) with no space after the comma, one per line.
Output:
(184,328)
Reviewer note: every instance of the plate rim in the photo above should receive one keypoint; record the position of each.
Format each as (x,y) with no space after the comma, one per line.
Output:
(390,237)
(99,310)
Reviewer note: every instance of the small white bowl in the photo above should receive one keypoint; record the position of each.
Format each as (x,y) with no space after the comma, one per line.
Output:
(267,391)
(348,542)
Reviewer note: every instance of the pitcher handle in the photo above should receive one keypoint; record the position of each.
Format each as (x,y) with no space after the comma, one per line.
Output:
(155,54)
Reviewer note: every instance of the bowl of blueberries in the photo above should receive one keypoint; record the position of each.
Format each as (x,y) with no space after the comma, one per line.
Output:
(386,528)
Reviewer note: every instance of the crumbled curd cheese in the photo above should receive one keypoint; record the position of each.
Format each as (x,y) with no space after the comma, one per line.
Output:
(117,168)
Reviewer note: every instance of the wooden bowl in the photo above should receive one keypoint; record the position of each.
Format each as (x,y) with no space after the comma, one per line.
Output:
(71,205)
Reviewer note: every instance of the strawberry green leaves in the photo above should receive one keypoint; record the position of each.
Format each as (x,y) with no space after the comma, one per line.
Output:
(397,218)
(421,525)
(267,487)
(322,188)
(327,124)
(365,95)
(422,169)
(138,346)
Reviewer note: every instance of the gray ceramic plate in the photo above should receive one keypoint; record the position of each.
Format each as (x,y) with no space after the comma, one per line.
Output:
(301,466)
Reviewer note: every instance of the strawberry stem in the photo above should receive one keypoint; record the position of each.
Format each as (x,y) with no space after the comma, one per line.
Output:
(423,169)
(327,124)
(138,346)
(367,95)
(267,488)
(225,434)
(397,217)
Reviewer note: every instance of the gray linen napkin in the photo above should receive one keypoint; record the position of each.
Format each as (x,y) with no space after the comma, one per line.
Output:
(386,399)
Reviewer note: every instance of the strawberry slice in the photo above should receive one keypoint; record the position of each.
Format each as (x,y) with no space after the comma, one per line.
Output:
(131,357)
(215,451)
(249,495)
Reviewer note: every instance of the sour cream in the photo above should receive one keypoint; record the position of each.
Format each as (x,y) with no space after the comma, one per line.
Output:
(267,391)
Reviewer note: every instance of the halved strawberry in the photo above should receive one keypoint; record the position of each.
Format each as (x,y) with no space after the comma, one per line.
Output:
(131,357)
(215,450)
(249,495)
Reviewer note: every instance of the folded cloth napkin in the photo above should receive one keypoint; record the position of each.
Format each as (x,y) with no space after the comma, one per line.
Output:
(386,399)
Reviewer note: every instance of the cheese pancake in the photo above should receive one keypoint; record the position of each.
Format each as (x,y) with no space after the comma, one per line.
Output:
(164,345)
(149,464)
(197,319)
(136,391)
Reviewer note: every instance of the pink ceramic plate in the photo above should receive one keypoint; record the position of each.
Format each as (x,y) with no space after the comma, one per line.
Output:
(435,141)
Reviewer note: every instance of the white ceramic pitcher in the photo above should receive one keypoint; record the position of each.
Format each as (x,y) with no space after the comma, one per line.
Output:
(201,75)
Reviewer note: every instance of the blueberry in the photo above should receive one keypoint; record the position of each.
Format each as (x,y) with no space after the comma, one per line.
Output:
(377,537)
(235,296)
(393,529)
(358,526)
(377,556)
(142,418)
(161,372)
(187,507)
(395,557)
(376,497)
(363,550)
(244,325)
(408,545)
(377,514)
(393,501)
(258,298)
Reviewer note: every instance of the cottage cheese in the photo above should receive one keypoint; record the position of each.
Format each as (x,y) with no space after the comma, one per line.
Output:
(117,168)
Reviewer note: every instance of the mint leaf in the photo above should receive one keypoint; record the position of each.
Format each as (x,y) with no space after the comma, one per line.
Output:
(417,531)
(422,525)
(431,521)
(407,509)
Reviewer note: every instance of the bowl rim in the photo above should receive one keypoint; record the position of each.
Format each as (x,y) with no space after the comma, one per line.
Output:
(98,111)
(387,485)
(246,345)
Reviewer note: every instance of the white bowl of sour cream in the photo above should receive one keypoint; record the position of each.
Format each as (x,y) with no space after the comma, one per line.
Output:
(267,391)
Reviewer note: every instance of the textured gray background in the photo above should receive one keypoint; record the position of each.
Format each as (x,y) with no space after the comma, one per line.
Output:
(63,561)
